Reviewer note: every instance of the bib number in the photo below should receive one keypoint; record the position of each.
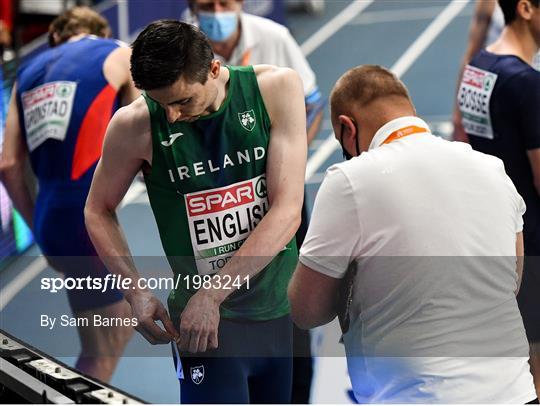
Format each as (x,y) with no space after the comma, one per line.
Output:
(47,111)
(221,219)
(473,100)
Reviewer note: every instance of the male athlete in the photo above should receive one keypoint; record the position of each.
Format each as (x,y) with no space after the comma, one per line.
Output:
(59,110)
(223,150)
(486,27)
(240,38)
(499,99)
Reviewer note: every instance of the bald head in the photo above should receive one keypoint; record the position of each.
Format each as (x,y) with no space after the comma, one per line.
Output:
(363,100)
(361,86)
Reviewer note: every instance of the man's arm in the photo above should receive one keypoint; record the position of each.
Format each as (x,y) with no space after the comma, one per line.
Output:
(285,171)
(313,297)
(123,156)
(477,36)
(322,282)
(12,164)
(520,253)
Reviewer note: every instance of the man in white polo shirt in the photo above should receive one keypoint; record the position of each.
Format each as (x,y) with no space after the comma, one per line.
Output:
(424,235)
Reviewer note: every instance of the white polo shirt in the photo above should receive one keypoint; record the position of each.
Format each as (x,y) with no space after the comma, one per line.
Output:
(430,228)
(263,41)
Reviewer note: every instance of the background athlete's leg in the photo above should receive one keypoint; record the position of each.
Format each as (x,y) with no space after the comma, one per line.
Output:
(61,235)
(102,347)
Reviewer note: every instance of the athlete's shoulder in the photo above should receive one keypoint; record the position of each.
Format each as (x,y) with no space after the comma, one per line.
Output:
(270,78)
(530,77)
(271,75)
(134,117)
(92,40)
(37,62)
(505,65)
(130,130)
(520,79)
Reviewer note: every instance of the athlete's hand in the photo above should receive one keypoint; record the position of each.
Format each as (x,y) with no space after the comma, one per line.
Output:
(199,323)
(148,309)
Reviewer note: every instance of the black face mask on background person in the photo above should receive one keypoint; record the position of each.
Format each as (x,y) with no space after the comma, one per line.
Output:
(346,155)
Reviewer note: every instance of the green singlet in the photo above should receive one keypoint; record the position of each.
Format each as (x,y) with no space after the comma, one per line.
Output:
(207,189)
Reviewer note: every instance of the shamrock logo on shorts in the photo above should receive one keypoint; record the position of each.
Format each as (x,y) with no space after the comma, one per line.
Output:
(197,374)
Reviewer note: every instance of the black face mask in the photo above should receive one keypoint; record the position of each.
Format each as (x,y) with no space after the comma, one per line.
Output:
(346,155)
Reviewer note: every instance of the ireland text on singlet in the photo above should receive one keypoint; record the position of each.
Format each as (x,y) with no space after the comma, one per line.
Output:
(207,189)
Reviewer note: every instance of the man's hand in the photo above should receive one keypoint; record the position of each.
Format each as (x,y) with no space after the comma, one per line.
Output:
(199,323)
(147,309)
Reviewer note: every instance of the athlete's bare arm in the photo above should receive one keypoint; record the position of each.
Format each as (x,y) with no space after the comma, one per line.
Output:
(116,71)
(127,147)
(477,36)
(12,164)
(483,13)
(285,173)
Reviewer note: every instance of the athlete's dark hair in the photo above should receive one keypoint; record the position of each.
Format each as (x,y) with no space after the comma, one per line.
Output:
(168,49)
(509,7)
(74,21)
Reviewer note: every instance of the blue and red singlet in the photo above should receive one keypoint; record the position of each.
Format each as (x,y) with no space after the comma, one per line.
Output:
(65,104)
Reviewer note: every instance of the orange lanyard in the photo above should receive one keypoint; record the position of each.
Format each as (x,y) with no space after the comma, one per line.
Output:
(404,132)
(245,58)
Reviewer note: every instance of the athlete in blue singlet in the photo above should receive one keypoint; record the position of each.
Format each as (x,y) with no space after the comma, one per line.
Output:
(499,100)
(61,105)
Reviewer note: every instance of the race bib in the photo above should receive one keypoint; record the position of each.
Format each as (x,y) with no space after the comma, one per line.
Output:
(47,111)
(221,219)
(473,100)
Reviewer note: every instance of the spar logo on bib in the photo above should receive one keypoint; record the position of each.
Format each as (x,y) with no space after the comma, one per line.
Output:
(221,219)
(47,111)
(473,99)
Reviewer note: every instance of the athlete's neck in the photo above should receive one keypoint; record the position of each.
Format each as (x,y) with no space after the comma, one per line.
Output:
(517,40)
(77,37)
(222,89)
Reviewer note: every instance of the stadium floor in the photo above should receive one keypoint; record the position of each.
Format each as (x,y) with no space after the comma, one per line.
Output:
(422,41)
